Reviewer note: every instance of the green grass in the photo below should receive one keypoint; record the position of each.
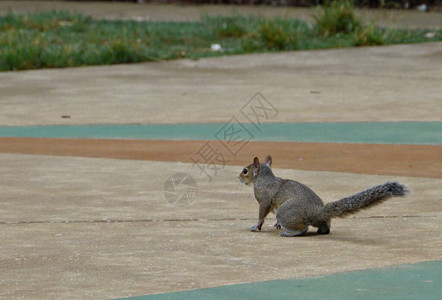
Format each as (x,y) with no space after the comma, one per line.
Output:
(64,39)
(335,18)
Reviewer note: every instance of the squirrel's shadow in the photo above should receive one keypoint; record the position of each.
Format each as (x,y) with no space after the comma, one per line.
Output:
(354,239)
(335,237)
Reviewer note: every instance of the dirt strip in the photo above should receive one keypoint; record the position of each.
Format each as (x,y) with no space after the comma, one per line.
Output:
(380,159)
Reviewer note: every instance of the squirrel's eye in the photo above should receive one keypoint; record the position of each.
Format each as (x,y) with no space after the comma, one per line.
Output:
(245,171)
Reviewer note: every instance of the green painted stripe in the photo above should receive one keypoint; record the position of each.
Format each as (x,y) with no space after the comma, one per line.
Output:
(423,133)
(416,281)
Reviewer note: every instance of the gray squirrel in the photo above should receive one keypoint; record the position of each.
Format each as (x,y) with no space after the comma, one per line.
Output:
(297,207)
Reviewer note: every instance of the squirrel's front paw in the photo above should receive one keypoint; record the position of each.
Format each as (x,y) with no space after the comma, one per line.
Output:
(277,225)
(255,228)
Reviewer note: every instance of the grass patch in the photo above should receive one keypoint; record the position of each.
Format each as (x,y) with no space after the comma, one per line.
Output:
(281,34)
(64,39)
(337,17)
(370,35)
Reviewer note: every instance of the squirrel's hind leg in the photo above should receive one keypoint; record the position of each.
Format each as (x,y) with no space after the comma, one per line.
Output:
(289,233)
(277,225)
(324,228)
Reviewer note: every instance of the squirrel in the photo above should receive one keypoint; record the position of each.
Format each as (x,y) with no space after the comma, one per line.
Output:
(297,207)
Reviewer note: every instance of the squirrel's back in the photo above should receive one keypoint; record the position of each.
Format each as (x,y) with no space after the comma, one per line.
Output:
(298,192)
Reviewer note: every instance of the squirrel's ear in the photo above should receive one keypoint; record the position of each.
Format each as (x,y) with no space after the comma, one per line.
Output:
(268,160)
(256,165)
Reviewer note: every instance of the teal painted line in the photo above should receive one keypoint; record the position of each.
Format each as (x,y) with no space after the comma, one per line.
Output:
(416,281)
(422,133)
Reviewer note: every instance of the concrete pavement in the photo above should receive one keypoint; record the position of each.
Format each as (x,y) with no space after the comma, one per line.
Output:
(76,227)
(374,84)
(100,228)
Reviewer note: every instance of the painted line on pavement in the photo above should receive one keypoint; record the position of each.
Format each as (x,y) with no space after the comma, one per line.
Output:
(415,281)
(422,133)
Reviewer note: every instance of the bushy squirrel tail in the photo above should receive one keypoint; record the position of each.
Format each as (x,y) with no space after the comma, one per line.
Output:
(363,200)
